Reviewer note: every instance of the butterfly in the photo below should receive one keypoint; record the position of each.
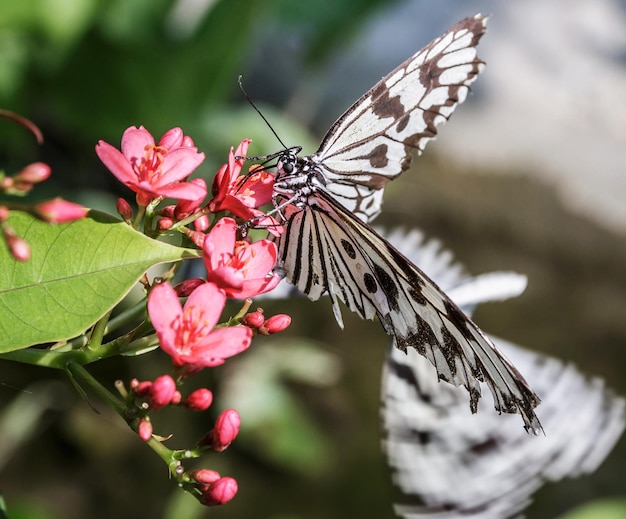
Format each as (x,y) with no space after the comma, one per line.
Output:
(483,465)
(326,200)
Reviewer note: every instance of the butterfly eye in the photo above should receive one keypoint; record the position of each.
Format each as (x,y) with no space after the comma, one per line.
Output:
(288,167)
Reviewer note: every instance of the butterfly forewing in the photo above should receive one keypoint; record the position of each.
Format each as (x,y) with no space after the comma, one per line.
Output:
(372,141)
(331,251)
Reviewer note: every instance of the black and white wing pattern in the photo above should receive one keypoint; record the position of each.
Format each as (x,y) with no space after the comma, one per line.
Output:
(327,250)
(326,198)
(373,141)
(450,464)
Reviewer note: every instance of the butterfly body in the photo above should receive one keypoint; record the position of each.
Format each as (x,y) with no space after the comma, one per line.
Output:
(327,198)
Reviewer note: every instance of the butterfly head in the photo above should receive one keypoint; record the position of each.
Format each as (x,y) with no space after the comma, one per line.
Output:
(295,176)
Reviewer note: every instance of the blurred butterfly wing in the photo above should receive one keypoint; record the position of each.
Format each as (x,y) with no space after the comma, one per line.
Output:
(325,249)
(372,142)
(449,464)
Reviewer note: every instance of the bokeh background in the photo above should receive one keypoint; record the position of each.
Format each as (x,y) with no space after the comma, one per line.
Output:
(530,175)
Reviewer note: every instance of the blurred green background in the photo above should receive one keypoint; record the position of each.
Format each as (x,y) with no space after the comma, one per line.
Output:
(85,70)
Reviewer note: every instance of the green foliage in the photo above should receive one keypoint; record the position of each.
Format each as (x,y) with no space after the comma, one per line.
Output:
(98,259)
(600,509)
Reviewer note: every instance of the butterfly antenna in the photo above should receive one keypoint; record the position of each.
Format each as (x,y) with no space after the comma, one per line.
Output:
(240,81)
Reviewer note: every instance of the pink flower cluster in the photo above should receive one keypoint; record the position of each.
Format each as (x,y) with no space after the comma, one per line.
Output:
(236,268)
(210,488)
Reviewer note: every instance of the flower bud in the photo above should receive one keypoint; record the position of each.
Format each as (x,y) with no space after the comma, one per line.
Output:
(225,430)
(143,388)
(186,207)
(124,209)
(200,400)
(276,323)
(163,390)
(220,492)
(18,247)
(185,288)
(59,211)
(254,319)
(201,224)
(4,213)
(144,429)
(205,476)
(165,223)
(196,237)
(33,173)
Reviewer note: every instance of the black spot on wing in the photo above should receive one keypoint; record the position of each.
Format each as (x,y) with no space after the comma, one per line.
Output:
(347,246)
(388,285)
(378,157)
(370,283)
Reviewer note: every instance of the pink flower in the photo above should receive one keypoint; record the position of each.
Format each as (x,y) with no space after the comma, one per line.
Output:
(241,195)
(154,170)
(58,210)
(186,333)
(239,268)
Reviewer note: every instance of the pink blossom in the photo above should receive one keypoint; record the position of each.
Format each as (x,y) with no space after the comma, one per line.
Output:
(58,210)
(187,333)
(239,268)
(154,170)
(241,195)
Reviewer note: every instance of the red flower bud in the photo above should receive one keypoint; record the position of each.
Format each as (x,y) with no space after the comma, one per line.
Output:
(220,492)
(185,288)
(144,429)
(254,319)
(276,323)
(200,400)
(4,213)
(33,173)
(201,224)
(205,476)
(225,430)
(124,209)
(165,223)
(59,211)
(163,391)
(18,247)
(143,388)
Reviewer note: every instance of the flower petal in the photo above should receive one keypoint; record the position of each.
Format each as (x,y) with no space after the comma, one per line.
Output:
(134,142)
(178,164)
(116,162)
(211,300)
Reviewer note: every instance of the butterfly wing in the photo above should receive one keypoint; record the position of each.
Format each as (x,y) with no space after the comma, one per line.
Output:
(448,464)
(372,142)
(325,249)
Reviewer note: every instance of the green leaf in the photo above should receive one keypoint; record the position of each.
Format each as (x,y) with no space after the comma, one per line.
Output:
(77,272)
(600,509)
